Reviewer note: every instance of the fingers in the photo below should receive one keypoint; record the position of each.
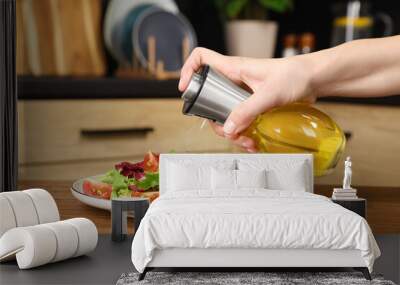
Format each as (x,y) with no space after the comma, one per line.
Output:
(309,99)
(217,128)
(200,56)
(246,112)
(197,58)
(243,142)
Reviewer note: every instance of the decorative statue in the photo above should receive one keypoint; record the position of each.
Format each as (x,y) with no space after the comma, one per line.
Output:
(347,174)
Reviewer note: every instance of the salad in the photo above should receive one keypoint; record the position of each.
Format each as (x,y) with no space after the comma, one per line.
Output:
(128,180)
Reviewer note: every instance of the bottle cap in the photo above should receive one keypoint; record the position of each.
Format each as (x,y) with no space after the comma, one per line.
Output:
(189,96)
(211,95)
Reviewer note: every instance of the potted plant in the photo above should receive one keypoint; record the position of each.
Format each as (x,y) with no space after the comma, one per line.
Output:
(247,31)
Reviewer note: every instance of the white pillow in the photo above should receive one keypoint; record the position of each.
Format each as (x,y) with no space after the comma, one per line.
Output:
(237,179)
(223,179)
(285,174)
(188,175)
(293,179)
(251,178)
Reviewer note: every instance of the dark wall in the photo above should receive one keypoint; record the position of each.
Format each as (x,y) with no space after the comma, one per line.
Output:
(317,17)
(307,16)
(205,21)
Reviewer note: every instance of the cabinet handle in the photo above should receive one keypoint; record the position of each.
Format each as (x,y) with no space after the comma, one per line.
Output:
(139,131)
(348,135)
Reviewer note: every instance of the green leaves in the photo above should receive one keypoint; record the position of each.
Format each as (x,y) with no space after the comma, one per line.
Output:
(116,179)
(120,183)
(233,9)
(125,192)
(150,181)
(279,6)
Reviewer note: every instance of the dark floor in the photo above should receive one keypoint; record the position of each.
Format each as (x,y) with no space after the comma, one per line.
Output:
(103,266)
(389,263)
(110,260)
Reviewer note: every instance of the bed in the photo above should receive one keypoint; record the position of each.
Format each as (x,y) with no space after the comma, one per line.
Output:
(247,210)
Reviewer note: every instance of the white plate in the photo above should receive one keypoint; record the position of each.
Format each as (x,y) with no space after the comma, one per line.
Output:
(77,192)
(169,29)
(117,10)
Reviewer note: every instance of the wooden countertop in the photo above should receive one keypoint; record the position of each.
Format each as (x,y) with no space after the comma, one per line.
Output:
(383,205)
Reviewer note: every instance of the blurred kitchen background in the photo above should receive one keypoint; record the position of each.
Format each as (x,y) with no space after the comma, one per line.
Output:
(97,79)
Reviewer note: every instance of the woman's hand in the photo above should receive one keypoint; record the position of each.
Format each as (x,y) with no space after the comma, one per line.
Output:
(362,68)
(273,82)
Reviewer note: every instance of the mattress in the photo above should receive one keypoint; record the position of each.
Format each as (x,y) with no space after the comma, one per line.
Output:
(250,219)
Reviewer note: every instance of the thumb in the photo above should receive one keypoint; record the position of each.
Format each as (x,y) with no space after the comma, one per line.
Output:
(245,113)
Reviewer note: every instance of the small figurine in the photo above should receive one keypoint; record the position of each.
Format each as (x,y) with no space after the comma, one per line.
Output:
(347,174)
(347,192)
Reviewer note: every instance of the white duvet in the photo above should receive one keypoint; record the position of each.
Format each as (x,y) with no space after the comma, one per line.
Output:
(250,219)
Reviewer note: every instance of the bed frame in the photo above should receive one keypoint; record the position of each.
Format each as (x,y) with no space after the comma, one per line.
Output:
(242,259)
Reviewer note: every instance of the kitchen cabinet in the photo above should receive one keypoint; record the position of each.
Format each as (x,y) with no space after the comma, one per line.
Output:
(68,139)
(374,145)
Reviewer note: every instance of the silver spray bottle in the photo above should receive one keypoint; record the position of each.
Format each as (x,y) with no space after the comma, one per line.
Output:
(211,95)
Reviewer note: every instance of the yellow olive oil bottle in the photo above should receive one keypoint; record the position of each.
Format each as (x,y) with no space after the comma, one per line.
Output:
(294,128)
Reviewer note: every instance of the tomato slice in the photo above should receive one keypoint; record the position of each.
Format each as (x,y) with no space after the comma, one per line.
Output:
(136,194)
(153,197)
(150,162)
(97,189)
(87,187)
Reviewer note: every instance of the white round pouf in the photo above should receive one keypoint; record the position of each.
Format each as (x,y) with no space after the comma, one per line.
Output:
(33,246)
(67,240)
(31,232)
(46,207)
(23,208)
(87,233)
(40,244)
(7,218)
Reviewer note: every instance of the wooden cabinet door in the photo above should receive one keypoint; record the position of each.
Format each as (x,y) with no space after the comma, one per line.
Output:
(374,145)
(57,134)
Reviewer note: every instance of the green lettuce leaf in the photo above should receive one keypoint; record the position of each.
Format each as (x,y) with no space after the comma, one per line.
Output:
(150,180)
(119,183)
(125,192)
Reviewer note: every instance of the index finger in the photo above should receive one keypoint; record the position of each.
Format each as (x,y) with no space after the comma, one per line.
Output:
(229,66)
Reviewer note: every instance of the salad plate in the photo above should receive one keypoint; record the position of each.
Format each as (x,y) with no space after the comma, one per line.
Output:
(126,180)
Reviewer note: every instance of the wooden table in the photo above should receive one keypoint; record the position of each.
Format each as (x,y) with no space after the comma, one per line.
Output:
(383,205)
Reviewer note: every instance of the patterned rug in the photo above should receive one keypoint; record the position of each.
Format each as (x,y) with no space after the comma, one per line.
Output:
(243,278)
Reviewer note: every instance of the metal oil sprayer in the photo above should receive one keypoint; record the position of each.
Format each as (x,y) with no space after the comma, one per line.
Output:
(294,128)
